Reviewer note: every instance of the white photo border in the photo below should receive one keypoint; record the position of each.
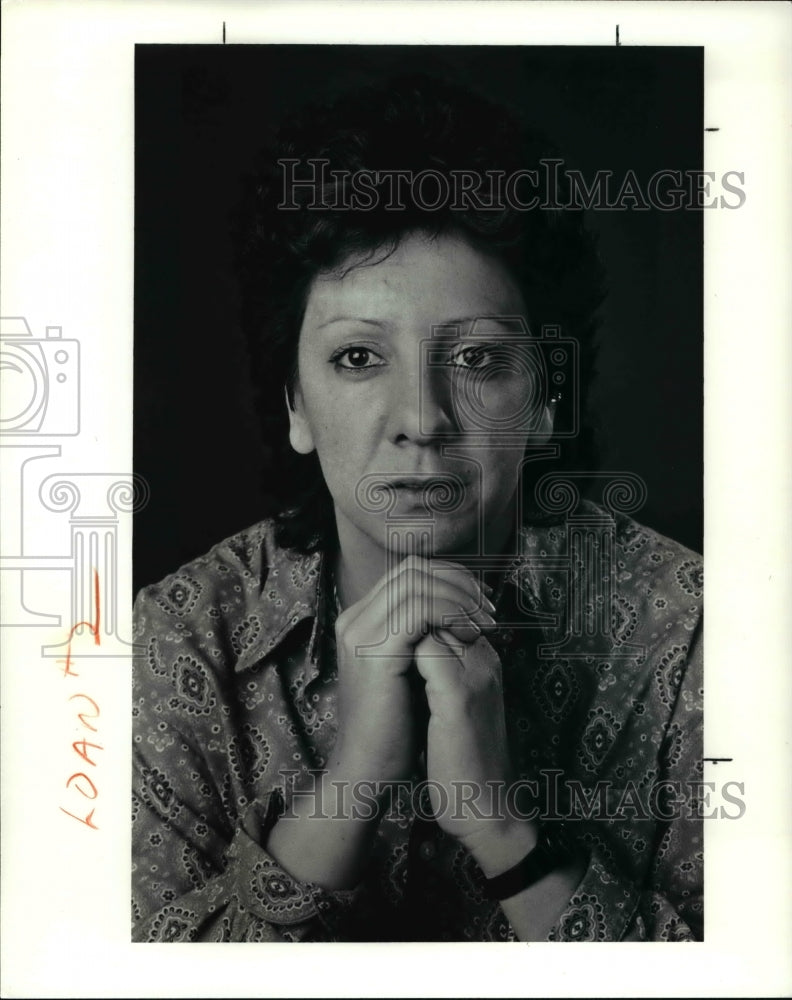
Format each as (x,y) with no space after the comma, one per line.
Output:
(67,261)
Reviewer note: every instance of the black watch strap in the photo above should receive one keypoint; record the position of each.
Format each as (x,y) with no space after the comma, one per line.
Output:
(550,852)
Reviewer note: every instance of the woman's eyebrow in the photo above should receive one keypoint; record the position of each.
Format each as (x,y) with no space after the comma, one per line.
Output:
(492,317)
(354,319)
(502,319)
(498,317)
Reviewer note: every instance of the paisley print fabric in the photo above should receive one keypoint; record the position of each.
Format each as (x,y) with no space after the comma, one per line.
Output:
(234,711)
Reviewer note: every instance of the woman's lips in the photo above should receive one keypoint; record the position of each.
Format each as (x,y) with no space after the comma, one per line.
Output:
(417,483)
(437,493)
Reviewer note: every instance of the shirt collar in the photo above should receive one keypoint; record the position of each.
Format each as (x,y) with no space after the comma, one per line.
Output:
(292,591)
(540,572)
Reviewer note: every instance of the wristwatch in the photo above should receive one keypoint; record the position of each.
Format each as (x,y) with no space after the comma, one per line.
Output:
(551,851)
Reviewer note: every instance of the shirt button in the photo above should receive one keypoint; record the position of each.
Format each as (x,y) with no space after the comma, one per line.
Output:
(427,851)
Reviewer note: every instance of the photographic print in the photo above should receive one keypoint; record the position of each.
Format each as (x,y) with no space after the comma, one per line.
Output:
(375,377)
(401,309)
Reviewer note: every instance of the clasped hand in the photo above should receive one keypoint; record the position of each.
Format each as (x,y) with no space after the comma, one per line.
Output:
(427,619)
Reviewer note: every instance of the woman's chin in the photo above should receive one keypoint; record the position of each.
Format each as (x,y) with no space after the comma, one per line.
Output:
(440,537)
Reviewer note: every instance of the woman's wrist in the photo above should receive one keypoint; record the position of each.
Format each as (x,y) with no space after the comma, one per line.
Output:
(501,844)
(321,839)
(352,776)
(532,884)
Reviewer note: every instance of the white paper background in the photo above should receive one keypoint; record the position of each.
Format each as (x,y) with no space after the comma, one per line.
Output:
(67,253)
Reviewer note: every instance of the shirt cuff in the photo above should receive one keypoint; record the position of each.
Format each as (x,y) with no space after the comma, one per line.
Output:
(270,892)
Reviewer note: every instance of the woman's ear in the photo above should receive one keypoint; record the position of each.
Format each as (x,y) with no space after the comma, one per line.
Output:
(544,431)
(300,434)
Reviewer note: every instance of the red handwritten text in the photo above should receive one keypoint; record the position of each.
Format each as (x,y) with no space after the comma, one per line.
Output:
(80,781)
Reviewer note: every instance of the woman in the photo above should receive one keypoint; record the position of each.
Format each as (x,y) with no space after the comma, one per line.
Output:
(438,696)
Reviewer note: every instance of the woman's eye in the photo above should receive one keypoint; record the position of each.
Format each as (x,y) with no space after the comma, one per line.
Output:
(356,359)
(471,357)
(500,358)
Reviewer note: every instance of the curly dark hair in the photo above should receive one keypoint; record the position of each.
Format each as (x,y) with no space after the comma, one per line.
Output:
(413,123)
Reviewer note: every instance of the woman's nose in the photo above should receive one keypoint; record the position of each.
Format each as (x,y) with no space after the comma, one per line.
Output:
(420,405)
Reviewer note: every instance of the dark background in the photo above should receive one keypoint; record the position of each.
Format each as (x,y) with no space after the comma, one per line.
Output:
(201,114)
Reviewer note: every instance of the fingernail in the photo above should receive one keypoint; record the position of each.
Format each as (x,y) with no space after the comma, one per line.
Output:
(489,605)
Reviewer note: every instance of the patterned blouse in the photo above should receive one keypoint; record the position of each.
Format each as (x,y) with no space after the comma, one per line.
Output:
(234,712)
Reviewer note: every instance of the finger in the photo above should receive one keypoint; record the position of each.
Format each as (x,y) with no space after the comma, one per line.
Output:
(445,574)
(467,624)
(399,614)
(471,672)
(414,567)
(436,604)
(409,601)
(406,598)
(462,632)
(437,663)
(464,577)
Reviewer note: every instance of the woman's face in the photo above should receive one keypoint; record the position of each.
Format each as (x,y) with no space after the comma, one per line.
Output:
(412,371)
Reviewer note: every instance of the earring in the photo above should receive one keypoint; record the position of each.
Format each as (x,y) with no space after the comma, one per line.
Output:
(556,398)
